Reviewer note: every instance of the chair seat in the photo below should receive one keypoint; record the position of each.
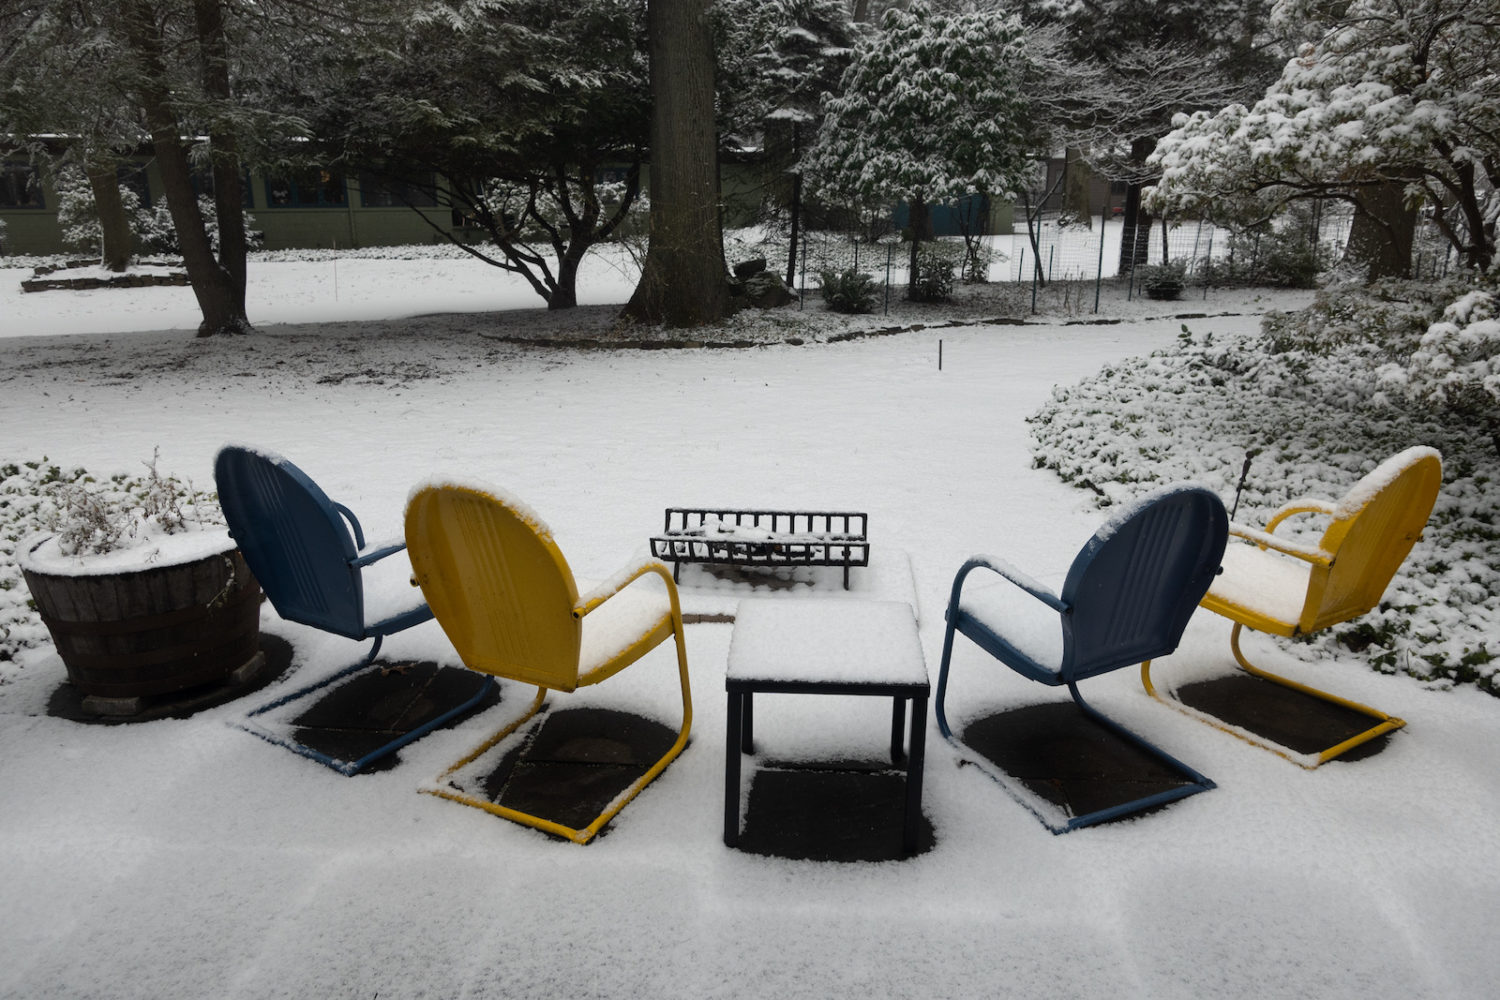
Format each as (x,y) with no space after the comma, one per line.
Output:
(1015,619)
(1267,584)
(617,623)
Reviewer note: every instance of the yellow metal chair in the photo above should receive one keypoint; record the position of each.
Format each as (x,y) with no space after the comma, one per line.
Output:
(1287,588)
(500,588)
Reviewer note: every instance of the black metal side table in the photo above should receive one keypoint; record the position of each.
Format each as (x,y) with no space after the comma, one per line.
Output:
(826,646)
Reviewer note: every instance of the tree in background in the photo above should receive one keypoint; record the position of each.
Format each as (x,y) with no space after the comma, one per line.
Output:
(775,60)
(527,119)
(683,280)
(1113,73)
(930,110)
(1392,104)
(115,75)
(60,76)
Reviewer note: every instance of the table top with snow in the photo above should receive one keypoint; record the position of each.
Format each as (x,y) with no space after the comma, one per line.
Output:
(825,641)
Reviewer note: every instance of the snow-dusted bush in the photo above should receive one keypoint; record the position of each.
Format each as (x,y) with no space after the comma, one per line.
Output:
(1456,365)
(155,232)
(1161,281)
(152,228)
(848,291)
(933,281)
(1275,256)
(79,218)
(1316,418)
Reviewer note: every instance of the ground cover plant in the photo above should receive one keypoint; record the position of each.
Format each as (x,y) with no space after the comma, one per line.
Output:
(1309,402)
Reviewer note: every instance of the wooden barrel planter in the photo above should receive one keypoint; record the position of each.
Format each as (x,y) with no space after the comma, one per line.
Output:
(154,630)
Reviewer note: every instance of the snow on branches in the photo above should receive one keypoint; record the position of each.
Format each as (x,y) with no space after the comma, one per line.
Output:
(1389,91)
(930,110)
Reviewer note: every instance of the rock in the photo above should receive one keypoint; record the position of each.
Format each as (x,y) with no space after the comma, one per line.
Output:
(767,291)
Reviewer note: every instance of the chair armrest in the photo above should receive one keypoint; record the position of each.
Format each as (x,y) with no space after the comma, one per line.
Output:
(1306,505)
(377,552)
(624,578)
(1266,540)
(1002,568)
(359,534)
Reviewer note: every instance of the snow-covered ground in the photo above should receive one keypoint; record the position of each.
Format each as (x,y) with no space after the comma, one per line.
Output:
(187,858)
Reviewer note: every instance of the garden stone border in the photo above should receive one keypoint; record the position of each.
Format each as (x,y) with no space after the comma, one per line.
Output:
(40,282)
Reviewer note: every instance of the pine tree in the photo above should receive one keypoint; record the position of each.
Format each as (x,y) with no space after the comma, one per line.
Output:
(930,110)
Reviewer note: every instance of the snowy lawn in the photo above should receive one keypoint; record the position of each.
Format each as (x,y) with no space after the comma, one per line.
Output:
(187,858)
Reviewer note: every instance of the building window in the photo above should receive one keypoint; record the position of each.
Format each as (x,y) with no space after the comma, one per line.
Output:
(20,187)
(307,189)
(203,186)
(384,192)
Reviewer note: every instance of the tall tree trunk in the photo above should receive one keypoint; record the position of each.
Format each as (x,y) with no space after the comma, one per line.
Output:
(114,227)
(229,184)
(919,220)
(1076,177)
(1135,240)
(1381,234)
(223,309)
(796,208)
(683,281)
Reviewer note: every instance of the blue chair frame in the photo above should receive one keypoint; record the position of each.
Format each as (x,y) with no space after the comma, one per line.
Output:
(308,553)
(1127,598)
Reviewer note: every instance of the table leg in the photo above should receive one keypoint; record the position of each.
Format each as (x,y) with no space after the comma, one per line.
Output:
(914,764)
(747,721)
(732,772)
(898,720)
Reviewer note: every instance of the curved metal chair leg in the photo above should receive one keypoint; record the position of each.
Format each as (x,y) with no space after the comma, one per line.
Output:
(584,834)
(1385,723)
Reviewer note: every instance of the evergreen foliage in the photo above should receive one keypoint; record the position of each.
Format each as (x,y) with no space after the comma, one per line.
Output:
(1388,92)
(848,291)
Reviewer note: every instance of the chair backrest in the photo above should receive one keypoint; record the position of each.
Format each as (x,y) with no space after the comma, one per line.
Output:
(1133,587)
(293,538)
(496,583)
(1370,535)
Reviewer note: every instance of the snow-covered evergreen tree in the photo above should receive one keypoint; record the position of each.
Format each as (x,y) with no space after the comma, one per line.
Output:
(1401,94)
(930,110)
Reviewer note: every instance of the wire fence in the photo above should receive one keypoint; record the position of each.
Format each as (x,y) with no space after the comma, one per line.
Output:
(1054,251)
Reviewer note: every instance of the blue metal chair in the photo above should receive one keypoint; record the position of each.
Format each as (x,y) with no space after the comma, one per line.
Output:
(1127,598)
(309,555)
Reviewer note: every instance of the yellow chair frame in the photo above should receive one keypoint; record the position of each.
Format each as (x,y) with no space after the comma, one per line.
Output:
(1370,533)
(505,596)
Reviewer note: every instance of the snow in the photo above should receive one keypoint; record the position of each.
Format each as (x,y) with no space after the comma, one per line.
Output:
(187,858)
(150,547)
(825,641)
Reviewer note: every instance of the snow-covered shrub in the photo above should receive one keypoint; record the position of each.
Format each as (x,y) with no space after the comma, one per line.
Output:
(1384,319)
(1160,281)
(155,231)
(1274,256)
(848,291)
(1456,365)
(79,219)
(1316,418)
(933,281)
(977,258)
